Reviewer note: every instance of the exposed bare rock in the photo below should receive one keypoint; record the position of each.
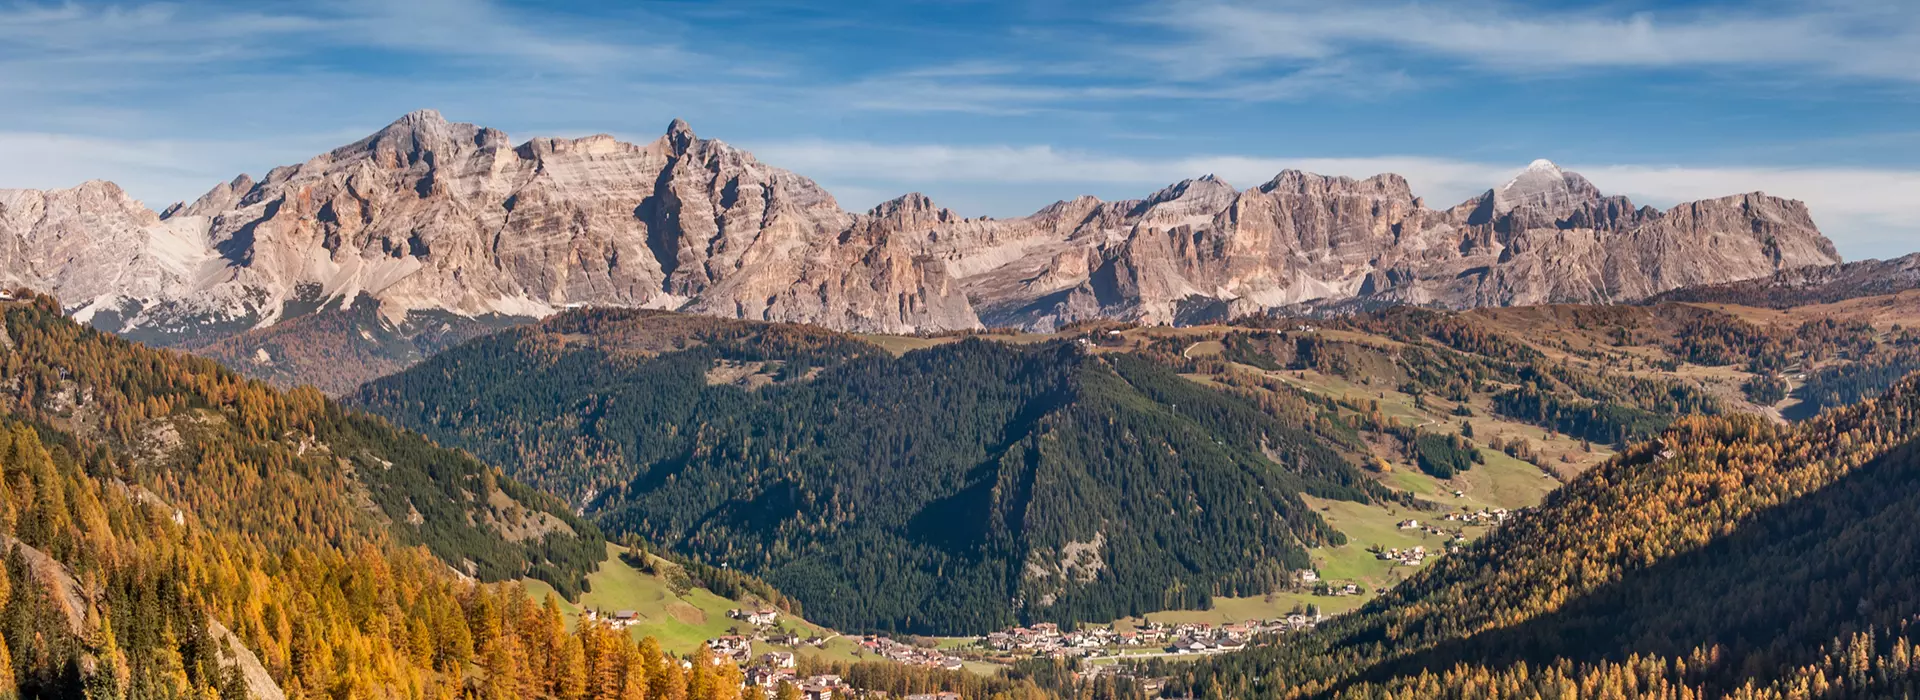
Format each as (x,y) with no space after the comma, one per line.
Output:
(430,216)
(1200,249)
(219,199)
(66,592)
(97,247)
(1545,188)
(234,653)
(1811,285)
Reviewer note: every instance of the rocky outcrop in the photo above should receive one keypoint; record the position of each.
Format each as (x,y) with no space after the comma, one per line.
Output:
(1201,249)
(1810,285)
(64,591)
(93,243)
(432,215)
(234,654)
(428,215)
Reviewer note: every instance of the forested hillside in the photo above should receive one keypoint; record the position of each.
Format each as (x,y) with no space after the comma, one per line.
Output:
(958,488)
(1846,384)
(1729,558)
(1622,373)
(1458,358)
(281,467)
(172,530)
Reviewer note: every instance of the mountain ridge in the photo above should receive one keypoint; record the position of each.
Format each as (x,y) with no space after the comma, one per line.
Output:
(1810,285)
(432,215)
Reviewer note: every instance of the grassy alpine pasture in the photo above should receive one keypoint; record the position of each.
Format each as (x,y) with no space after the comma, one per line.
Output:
(680,622)
(1366,527)
(1235,610)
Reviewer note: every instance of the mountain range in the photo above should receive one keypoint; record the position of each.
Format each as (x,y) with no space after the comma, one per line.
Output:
(429,216)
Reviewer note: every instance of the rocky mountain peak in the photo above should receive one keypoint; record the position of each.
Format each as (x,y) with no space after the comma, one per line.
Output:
(422,119)
(1064,207)
(1546,187)
(87,199)
(680,136)
(1298,182)
(103,188)
(1205,187)
(912,207)
(409,140)
(221,198)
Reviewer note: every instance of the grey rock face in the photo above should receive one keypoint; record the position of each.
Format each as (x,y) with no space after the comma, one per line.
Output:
(1308,241)
(432,215)
(99,249)
(1810,285)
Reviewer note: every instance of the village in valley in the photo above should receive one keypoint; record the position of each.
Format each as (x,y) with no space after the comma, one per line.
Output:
(768,670)
(1047,639)
(765,650)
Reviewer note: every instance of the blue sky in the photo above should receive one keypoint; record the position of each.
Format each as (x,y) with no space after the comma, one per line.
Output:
(998,108)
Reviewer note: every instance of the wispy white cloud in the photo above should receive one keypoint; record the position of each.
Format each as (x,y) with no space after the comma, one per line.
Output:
(76,28)
(1298,50)
(1877,39)
(1004,90)
(484,29)
(134,35)
(1868,212)
(214,72)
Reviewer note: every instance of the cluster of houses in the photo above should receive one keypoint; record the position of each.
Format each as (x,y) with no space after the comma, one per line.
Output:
(1046,639)
(1429,529)
(769,670)
(1484,517)
(776,667)
(823,687)
(1148,685)
(1311,578)
(1346,589)
(764,617)
(909,654)
(733,647)
(1202,638)
(767,675)
(619,619)
(1405,557)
